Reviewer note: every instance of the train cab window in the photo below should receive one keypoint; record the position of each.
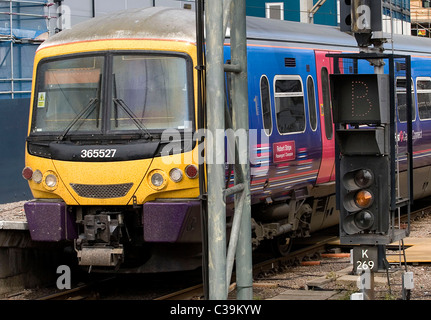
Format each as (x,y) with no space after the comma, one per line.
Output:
(326,103)
(68,95)
(265,101)
(423,89)
(402,101)
(311,103)
(289,104)
(153,89)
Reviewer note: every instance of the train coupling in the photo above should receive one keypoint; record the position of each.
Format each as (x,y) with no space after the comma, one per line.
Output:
(99,244)
(109,257)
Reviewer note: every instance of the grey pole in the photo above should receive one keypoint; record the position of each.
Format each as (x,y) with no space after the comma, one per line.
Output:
(215,168)
(244,273)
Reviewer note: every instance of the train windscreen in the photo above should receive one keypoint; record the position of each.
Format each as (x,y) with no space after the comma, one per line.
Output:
(140,93)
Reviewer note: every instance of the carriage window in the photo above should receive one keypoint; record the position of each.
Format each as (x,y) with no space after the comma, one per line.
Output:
(423,89)
(311,103)
(274,10)
(289,104)
(266,105)
(326,103)
(402,101)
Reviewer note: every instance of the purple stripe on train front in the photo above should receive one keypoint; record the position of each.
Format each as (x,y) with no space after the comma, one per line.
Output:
(50,221)
(163,221)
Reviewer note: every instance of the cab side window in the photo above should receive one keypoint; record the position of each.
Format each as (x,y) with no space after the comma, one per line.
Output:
(265,102)
(311,103)
(326,103)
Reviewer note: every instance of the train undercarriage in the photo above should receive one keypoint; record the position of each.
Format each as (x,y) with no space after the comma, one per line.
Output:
(143,239)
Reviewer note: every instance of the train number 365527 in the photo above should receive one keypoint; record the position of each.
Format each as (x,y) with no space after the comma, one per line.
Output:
(98,153)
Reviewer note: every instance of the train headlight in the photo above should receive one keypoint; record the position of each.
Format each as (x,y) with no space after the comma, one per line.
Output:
(157,179)
(37,176)
(50,180)
(176,175)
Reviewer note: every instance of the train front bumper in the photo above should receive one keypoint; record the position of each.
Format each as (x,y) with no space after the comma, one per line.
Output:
(172,221)
(163,221)
(50,221)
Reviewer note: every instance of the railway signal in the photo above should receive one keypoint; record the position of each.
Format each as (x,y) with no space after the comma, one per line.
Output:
(364,196)
(367,153)
(361,106)
(366,156)
(362,111)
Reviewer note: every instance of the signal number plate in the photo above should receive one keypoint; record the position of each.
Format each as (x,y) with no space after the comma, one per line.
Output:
(365,259)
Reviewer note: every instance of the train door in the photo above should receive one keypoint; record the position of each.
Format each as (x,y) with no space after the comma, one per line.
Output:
(324,68)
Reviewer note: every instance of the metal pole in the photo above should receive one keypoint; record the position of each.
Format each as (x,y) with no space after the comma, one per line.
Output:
(215,167)
(202,125)
(244,274)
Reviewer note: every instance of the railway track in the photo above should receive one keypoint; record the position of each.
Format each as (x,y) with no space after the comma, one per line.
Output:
(259,270)
(95,290)
(319,244)
(83,291)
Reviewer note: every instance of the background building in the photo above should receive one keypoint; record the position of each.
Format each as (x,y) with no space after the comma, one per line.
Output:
(421,17)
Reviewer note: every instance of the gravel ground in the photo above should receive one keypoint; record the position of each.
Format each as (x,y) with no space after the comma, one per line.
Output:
(296,277)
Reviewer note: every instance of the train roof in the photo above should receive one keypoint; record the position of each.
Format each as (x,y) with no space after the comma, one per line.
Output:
(179,25)
(153,23)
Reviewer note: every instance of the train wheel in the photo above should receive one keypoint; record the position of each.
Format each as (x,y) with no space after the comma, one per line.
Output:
(281,245)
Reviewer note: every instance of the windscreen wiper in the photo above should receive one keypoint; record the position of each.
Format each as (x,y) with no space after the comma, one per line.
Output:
(132,116)
(88,109)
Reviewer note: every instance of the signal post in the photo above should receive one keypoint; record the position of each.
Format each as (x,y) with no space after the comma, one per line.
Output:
(366,151)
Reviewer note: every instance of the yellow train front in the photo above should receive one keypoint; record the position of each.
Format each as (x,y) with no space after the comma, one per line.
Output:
(101,171)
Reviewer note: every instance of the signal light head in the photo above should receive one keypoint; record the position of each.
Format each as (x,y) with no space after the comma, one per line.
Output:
(364,219)
(363,178)
(358,222)
(358,179)
(363,199)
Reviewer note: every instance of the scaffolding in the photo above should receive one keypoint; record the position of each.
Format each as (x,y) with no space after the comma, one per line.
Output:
(23,26)
(421,18)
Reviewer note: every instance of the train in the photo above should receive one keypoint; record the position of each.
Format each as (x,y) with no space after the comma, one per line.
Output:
(106,91)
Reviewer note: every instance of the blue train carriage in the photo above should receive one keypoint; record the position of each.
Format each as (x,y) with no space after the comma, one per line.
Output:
(289,98)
